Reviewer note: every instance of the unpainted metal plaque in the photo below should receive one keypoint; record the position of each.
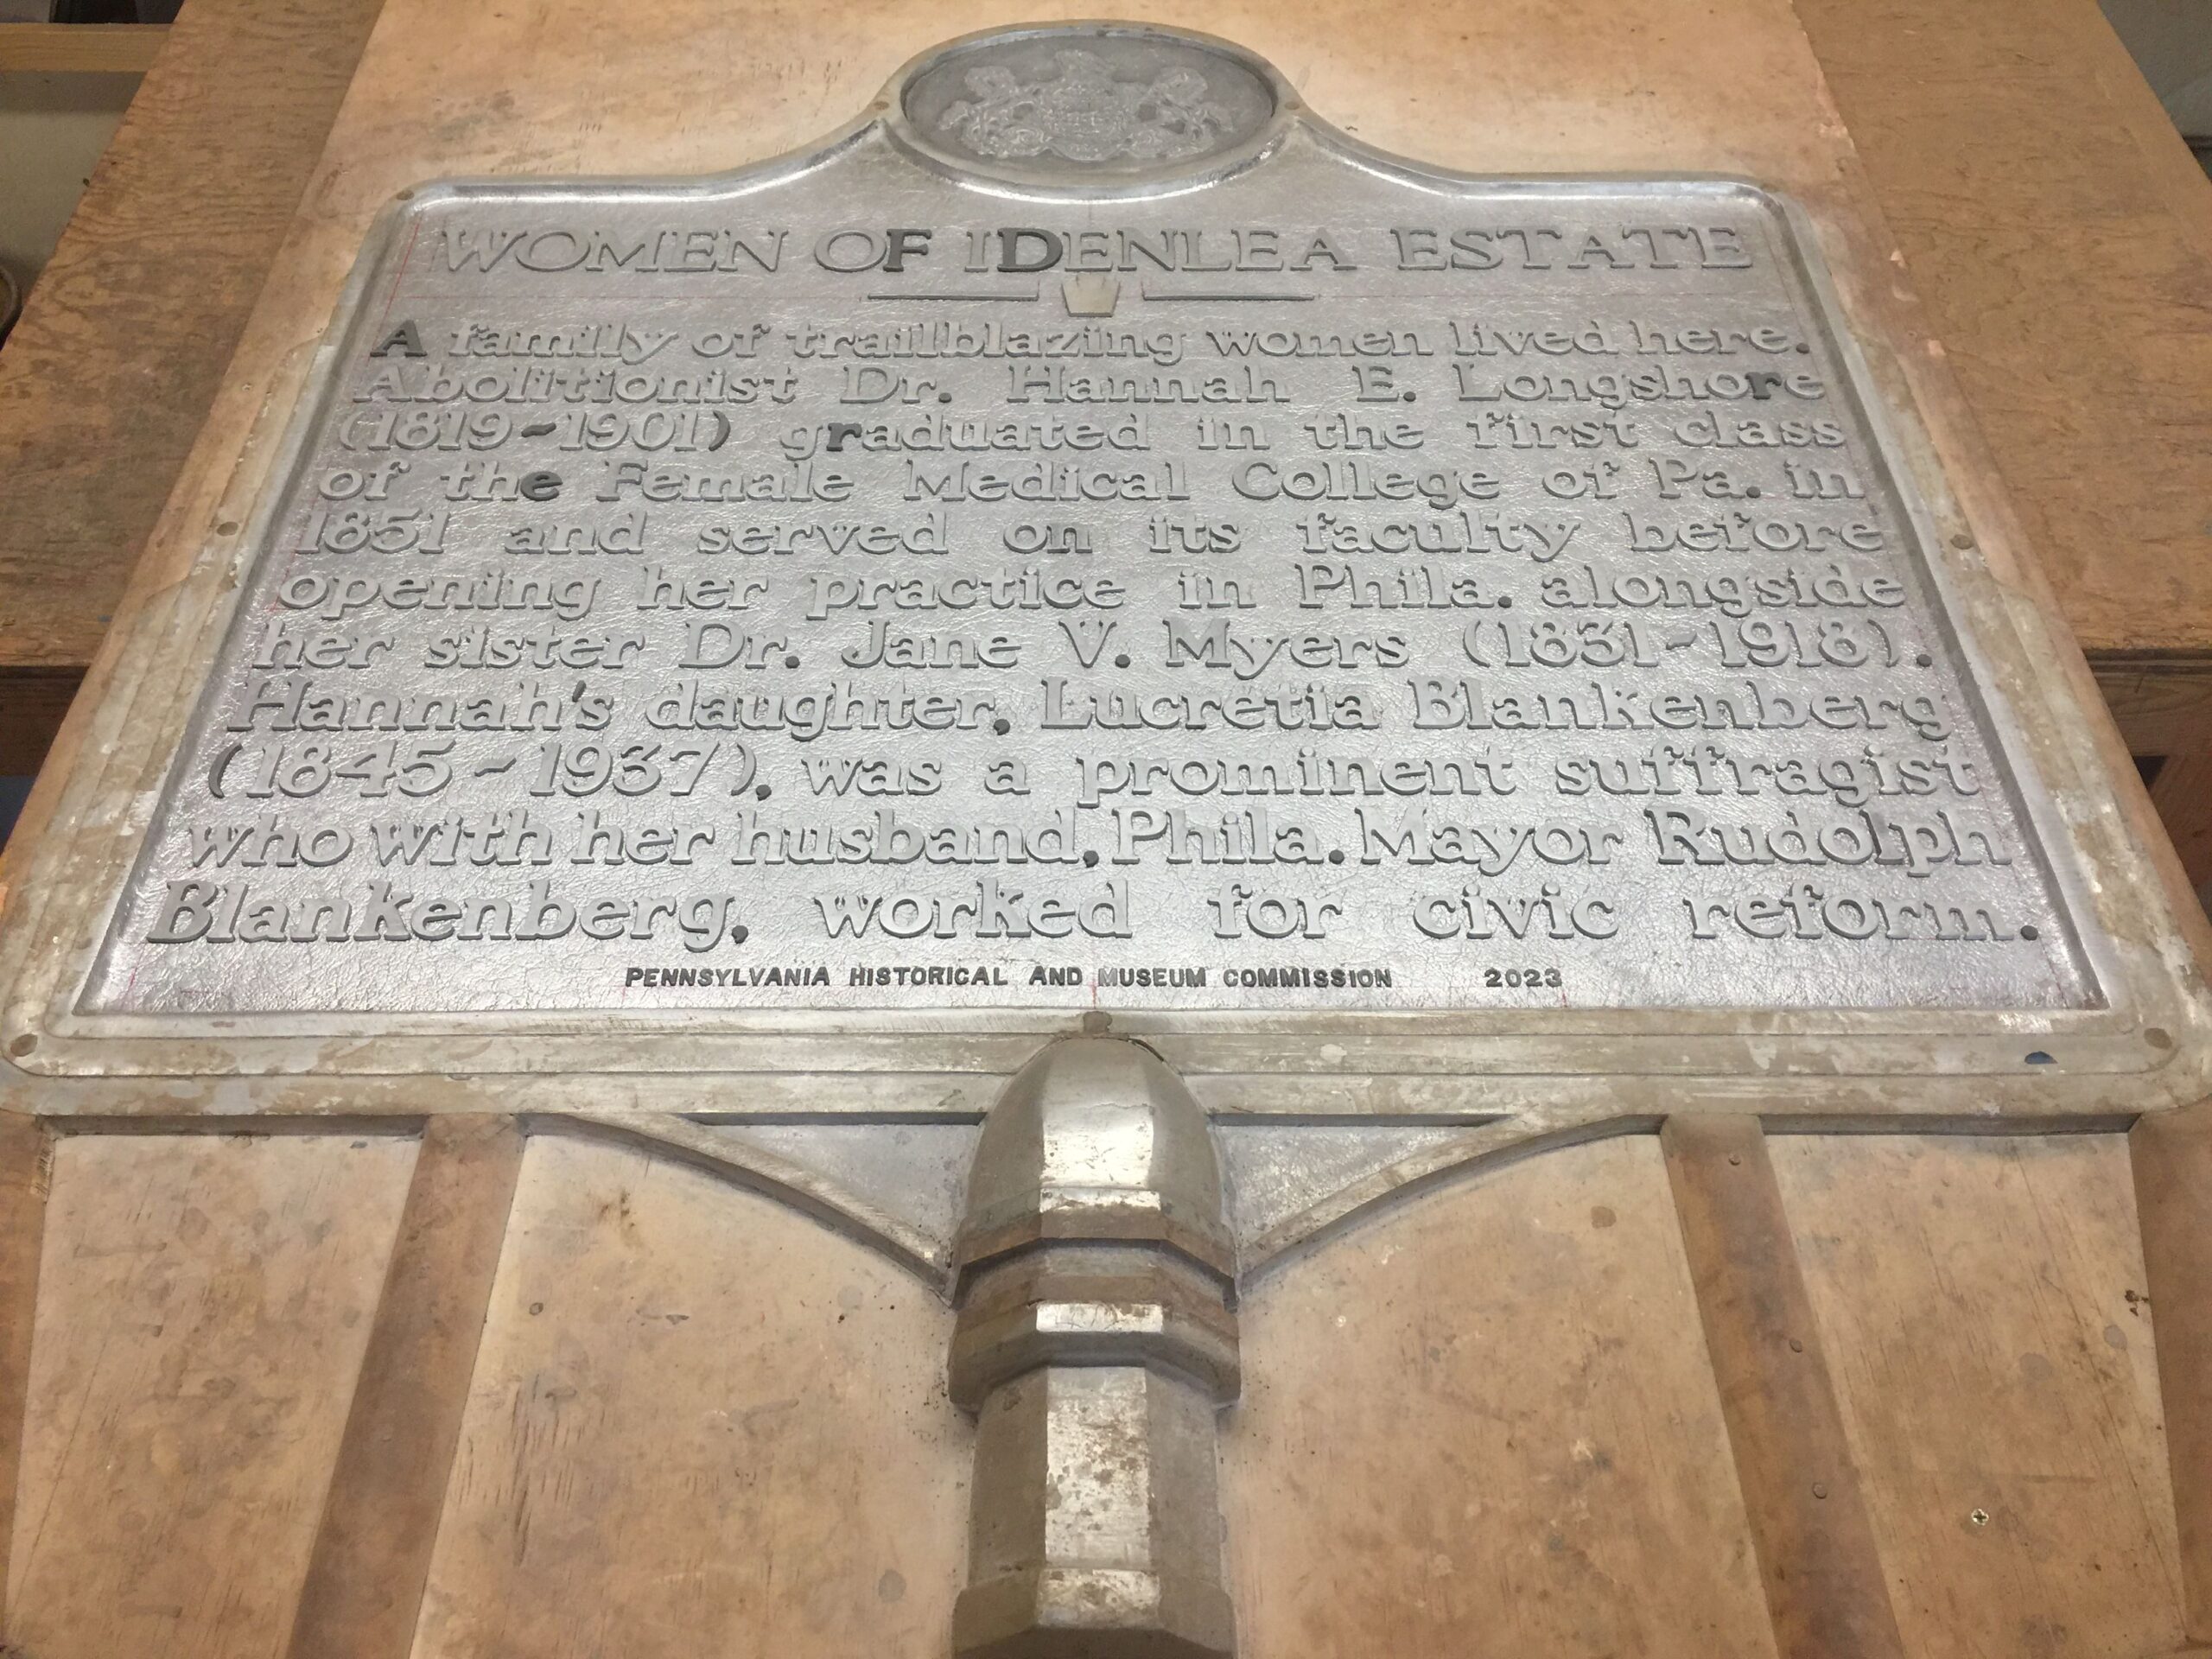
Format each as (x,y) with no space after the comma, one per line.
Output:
(1090,535)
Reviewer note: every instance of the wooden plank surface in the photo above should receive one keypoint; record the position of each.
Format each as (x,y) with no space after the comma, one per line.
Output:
(203,1305)
(1482,1423)
(24,1150)
(105,381)
(372,1550)
(1825,1583)
(69,48)
(1982,1304)
(699,1423)
(2171,1158)
(2060,234)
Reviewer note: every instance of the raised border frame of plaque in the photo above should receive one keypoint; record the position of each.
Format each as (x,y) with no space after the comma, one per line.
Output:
(2140,1045)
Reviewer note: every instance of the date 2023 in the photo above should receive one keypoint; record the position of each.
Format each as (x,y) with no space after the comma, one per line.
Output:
(1521,978)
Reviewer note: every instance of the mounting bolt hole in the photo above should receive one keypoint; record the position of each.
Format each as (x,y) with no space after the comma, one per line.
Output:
(2036,1057)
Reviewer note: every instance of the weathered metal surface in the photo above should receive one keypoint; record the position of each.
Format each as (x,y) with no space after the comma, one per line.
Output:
(1090,537)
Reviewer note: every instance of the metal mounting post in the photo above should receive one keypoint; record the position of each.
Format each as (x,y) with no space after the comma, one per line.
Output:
(1094,1342)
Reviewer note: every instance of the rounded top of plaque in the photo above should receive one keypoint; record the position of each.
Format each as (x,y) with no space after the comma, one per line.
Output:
(1084,106)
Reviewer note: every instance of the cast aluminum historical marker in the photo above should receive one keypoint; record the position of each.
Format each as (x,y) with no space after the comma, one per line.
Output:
(1086,682)
(1085,538)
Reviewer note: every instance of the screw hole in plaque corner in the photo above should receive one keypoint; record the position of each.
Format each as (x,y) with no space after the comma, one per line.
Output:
(2038,1056)
(2158,1037)
(19,1046)
(228,527)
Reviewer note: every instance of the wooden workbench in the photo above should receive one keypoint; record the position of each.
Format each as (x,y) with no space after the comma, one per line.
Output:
(108,376)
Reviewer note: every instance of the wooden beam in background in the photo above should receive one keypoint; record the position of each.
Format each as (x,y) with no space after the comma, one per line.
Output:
(82,48)
(125,336)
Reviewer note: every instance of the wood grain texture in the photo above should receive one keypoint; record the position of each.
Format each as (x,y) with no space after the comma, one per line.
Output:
(127,333)
(204,1302)
(1823,1574)
(1482,1423)
(24,1150)
(97,48)
(701,1425)
(372,1551)
(2060,234)
(2162,706)
(2170,1158)
(1981,1302)
(2182,793)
